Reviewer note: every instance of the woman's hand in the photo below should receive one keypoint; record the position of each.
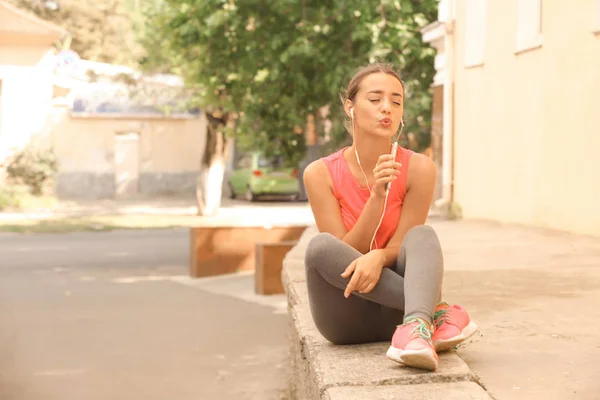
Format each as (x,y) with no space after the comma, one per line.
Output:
(365,271)
(386,170)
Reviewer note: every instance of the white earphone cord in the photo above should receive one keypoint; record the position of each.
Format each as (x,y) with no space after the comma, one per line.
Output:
(367,182)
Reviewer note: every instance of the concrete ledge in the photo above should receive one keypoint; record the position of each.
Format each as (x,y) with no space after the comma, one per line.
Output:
(434,391)
(323,371)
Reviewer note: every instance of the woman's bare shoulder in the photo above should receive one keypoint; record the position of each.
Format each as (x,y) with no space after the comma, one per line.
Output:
(317,171)
(421,169)
(322,199)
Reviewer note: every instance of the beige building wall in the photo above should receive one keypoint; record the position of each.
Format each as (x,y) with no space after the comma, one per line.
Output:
(26,76)
(18,55)
(169,153)
(26,68)
(527,130)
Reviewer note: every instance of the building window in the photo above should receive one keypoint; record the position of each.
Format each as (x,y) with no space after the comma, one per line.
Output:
(529,24)
(475,32)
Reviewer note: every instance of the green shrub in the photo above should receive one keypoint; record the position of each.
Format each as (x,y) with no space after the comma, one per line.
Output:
(33,167)
(11,197)
(6,199)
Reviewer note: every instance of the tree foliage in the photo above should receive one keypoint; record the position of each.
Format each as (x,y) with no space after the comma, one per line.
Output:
(259,68)
(271,63)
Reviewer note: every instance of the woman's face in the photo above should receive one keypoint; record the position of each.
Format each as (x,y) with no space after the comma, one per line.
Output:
(378,105)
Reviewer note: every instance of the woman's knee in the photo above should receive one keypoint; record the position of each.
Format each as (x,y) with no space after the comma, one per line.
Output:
(318,249)
(334,335)
(421,242)
(421,234)
(336,332)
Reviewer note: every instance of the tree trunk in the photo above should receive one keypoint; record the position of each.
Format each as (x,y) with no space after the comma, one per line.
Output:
(312,153)
(209,186)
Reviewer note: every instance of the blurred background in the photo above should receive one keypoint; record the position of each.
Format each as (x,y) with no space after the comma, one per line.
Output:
(120,117)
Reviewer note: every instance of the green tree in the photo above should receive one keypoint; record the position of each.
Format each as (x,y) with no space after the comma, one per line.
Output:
(260,67)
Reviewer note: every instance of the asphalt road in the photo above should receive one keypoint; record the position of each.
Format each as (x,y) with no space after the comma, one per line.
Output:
(113,315)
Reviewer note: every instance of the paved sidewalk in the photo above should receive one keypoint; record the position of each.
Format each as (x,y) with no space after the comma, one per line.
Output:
(535,294)
(179,212)
(113,315)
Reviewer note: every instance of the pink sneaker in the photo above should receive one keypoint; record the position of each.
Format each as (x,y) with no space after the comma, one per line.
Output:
(412,345)
(452,326)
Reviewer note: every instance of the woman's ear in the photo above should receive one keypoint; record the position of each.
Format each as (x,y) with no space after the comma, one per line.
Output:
(349,107)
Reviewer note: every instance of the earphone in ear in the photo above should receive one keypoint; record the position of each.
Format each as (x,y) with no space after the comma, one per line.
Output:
(352,112)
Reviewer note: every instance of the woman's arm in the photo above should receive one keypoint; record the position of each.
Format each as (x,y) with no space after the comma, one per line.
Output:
(366,270)
(326,209)
(417,201)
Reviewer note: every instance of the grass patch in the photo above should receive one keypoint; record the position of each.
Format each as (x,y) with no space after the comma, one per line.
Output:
(19,198)
(98,223)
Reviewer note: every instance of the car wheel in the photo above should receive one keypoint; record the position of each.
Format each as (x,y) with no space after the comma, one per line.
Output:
(250,195)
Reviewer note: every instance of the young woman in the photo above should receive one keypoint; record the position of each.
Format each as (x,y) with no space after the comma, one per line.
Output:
(374,271)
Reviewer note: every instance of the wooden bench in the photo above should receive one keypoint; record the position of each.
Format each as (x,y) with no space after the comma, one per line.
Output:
(218,250)
(269,263)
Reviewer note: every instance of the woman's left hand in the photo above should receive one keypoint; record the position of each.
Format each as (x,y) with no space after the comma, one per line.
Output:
(365,271)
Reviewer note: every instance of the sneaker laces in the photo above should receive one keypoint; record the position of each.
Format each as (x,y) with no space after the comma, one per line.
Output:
(441,316)
(422,329)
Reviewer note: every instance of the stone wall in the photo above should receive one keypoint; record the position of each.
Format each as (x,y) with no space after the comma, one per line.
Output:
(168,183)
(85,185)
(91,185)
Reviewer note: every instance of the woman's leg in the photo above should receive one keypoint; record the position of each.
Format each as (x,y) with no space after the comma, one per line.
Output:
(373,316)
(359,318)
(422,264)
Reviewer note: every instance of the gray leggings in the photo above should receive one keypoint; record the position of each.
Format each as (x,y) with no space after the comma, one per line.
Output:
(414,284)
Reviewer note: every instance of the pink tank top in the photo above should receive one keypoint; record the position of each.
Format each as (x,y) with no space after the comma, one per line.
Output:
(352,198)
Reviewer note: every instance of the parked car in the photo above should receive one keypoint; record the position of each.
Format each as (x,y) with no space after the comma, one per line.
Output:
(254,175)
